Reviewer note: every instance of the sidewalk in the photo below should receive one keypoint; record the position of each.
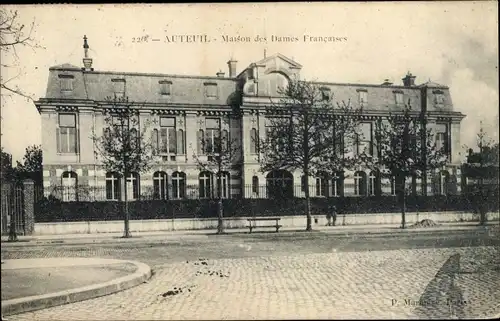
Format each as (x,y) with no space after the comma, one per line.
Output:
(365,230)
(33,284)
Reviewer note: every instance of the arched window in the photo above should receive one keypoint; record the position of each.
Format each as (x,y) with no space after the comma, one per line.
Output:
(337,184)
(359,183)
(322,185)
(223,182)
(180,142)
(178,185)
(253,141)
(112,186)
(279,184)
(160,185)
(205,184)
(373,183)
(133,186)
(69,186)
(255,186)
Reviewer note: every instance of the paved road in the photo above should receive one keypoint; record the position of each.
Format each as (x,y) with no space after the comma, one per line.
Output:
(270,276)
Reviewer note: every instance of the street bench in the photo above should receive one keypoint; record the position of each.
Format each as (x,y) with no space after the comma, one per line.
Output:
(252,222)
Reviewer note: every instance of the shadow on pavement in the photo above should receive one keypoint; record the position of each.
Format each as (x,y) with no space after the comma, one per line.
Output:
(442,298)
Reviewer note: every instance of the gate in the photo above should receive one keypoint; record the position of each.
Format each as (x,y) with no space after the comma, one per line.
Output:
(13,208)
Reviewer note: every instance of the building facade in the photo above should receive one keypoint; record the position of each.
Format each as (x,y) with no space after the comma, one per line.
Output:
(180,110)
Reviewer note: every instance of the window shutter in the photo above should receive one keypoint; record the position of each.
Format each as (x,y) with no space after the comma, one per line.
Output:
(180,142)
(172,141)
(77,140)
(58,139)
(164,140)
(200,142)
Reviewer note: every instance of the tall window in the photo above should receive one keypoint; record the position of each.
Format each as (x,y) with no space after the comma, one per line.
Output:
(359,183)
(444,180)
(223,183)
(133,186)
(254,139)
(322,185)
(67,134)
(255,186)
(393,185)
(69,185)
(336,187)
(201,143)
(205,184)
(373,185)
(112,186)
(178,185)
(212,135)
(160,185)
(442,138)
(364,139)
(167,137)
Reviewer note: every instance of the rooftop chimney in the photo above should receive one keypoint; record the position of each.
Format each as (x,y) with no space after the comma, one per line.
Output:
(409,80)
(220,74)
(232,67)
(387,82)
(87,62)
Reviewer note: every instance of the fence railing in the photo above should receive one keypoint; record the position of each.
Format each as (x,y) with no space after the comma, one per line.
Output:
(172,192)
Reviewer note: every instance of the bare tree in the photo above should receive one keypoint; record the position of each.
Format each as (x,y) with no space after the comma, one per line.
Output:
(306,131)
(482,168)
(217,154)
(405,148)
(123,147)
(13,35)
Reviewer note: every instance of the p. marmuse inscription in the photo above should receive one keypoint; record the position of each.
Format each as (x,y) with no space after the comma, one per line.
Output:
(414,303)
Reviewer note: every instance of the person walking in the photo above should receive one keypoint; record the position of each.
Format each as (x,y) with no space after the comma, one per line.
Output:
(334,214)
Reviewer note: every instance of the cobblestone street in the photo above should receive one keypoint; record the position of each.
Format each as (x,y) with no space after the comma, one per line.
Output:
(371,284)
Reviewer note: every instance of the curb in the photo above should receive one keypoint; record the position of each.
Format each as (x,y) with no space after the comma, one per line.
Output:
(335,232)
(37,302)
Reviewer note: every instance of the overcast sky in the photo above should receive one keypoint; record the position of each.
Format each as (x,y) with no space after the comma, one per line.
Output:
(452,43)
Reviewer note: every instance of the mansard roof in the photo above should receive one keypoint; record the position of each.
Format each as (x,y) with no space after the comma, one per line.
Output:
(139,87)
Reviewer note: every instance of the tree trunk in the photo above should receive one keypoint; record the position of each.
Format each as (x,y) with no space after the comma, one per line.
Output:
(126,232)
(402,200)
(220,208)
(308,207)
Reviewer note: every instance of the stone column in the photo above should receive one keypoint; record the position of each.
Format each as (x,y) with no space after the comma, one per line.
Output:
(29,206)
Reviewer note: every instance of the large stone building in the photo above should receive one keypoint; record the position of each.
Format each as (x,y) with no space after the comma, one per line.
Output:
(180,108)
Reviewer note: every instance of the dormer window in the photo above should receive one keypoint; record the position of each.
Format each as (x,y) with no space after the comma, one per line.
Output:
(362,96)
(118,87)
(66,83)
(165,87)
(439,97)
(211,90)
(398,97)
(325,93)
